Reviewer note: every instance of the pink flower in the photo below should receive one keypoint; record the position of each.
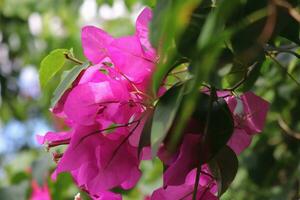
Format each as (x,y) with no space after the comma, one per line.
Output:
(98,162)
(132,56)
(39,193)
(108,196)
(249,113)
(92,102)
(110,93)
(185,161)
(185,190)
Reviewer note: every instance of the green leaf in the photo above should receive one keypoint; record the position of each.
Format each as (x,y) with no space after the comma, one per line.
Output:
(186,44)
(238,72)
(224,167)
(50,65)
(217,136)
(169,21)
(145,139)
(67,81)
(164,115)
(209,46)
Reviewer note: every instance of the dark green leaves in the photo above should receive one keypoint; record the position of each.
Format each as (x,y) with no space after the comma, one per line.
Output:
(217,122)
(169,21)
(224,167)
(164,115)
(145,139)
(50,65)
(67,81)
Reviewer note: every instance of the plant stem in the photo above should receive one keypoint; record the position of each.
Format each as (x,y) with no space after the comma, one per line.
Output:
(71,58)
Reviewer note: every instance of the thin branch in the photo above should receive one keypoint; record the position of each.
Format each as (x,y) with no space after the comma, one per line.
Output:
(123,142)
(106,129)
(137,91)
(292,11)
(242,81)
(284,126)
(285,70)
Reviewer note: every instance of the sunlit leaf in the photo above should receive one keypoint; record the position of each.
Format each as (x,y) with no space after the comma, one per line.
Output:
(50,65)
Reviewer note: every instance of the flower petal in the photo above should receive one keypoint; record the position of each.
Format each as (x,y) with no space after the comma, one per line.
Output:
(94,43)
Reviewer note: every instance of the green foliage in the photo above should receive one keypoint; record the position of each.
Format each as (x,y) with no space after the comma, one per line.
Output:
(51,64)
(66,82)
(210,111)
(230,38)
(224,167)
(164,115)
(167,29)
(145,139)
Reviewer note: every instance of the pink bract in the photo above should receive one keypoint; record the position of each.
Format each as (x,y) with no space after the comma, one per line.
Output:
(132,56)
(185,190)
(249,112)
(40,193)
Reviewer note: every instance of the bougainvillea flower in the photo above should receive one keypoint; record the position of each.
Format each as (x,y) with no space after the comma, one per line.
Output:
(39,193)
(185,161)
(108,196)
(249,113)
(52,138)
(185,191)
(89,101)
(132,56)
(99,162)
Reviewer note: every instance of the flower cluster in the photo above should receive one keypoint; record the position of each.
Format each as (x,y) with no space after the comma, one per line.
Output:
(248,112)
(106,109)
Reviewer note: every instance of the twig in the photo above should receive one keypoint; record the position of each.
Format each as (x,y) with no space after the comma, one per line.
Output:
(292,11)
(106,129)
(238,84)
(122,142)
(280,65)
(283,125)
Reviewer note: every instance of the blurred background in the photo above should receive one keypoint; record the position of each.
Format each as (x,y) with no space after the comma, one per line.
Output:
(30,29)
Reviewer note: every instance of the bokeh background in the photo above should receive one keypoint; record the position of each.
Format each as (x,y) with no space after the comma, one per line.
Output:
(30,29)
